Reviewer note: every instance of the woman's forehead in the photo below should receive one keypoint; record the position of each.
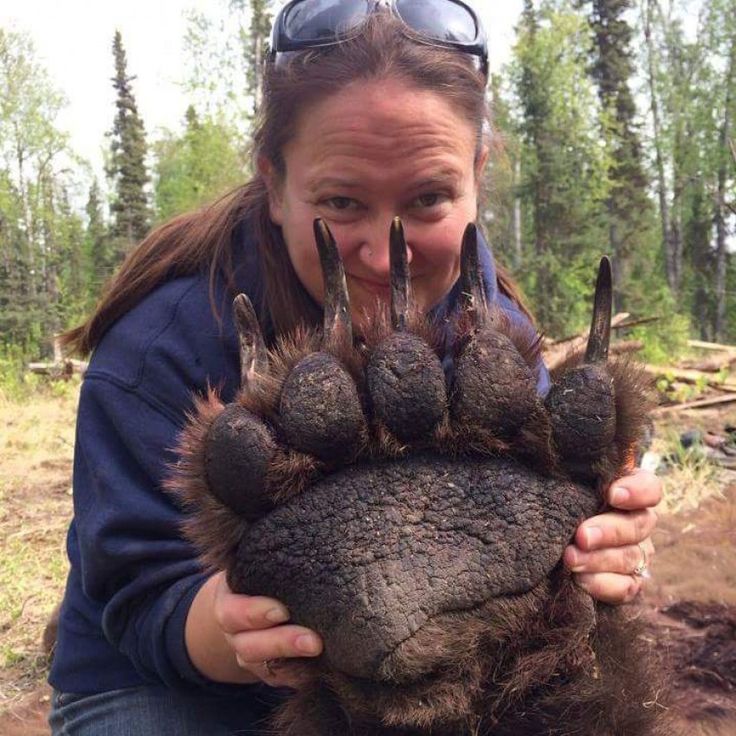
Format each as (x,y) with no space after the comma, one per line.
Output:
(378,127)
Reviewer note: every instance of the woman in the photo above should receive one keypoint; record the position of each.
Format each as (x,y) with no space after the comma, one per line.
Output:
(366,115)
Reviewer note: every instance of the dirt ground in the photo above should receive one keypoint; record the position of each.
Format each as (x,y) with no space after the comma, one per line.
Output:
(689,606)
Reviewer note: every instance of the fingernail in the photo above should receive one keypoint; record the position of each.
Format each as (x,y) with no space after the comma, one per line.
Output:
(577,562)
(593,535)
(277,615)
(620,495)
(307,644)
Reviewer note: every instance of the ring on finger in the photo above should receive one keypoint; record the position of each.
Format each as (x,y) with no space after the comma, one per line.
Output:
(268,665)
(642,569)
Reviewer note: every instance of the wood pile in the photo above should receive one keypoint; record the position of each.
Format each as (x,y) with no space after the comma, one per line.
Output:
(61,367)
(711,373)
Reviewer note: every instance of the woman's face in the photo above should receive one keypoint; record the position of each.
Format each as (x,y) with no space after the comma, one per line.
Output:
(371,152)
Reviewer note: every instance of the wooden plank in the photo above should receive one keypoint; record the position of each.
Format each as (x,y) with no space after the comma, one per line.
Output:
(583,336)
(689,376)
(714,364)
(634,323)
(703,345)
(713,401)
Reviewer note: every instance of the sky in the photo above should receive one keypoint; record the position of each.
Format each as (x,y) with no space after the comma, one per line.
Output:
(73,39)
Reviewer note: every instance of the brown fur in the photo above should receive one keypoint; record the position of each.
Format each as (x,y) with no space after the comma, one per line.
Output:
(211,527)
(500,671)
(548,661)
(634,396)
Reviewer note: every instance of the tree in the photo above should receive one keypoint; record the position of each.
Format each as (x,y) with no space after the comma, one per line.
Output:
(127,167)
(563,168)
(98,256)
(226,56)
(255,45)
(692,88)
(628,206)
(32,150)
(720,38)
(502,206)
(197,166)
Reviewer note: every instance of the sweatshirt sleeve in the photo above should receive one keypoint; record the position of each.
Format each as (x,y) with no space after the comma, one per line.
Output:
(134,561)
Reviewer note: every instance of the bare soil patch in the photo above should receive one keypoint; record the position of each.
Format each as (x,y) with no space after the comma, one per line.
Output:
(36,446)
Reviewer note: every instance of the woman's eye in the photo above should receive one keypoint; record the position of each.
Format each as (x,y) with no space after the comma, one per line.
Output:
(341,203)
(430,200)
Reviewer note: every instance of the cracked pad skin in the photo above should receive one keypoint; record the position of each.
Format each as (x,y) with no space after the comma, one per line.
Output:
(394,543)
(417,521)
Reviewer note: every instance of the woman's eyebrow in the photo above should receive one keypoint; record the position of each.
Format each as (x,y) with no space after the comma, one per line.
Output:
(447,176)
(332,181)
(441,177)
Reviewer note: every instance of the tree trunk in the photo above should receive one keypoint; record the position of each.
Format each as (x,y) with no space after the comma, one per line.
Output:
(720,213)
(517,214)
(668,244)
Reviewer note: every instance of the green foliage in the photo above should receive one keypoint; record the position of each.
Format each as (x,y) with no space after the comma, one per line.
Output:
(628,211)
(693,87)
(39,234)
(15,383)
(573,173)
(127,168)
(563,168)
(665,341)
(98,249)
(226,47)
(197,166)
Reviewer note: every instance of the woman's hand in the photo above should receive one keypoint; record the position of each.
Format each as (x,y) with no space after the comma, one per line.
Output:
(606,550)
(240,638)
(255,628)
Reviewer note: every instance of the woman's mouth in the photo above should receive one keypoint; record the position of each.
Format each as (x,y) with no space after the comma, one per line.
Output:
(382,290)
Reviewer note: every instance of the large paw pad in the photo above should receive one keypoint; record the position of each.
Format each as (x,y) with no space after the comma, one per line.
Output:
(378,488)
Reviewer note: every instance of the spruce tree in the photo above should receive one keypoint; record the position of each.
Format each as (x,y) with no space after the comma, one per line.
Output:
(97,256)
(562,173)
(629,209)
(260,25)
(254,42)
(127,168)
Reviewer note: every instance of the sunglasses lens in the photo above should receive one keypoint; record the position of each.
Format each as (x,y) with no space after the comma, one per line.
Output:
(324,20)
(441,21)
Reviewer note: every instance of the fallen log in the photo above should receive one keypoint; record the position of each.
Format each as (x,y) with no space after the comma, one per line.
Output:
(60,369)
(583,336)
(710,365)
(703,345)
(558,356)
(557,352)
(697,404)
(634,323)
(689,376)
(626,346)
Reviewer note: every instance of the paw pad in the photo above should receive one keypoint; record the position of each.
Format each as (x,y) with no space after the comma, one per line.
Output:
(371,480)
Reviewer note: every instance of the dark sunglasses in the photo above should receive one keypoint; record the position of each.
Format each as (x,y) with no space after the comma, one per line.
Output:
(305,24)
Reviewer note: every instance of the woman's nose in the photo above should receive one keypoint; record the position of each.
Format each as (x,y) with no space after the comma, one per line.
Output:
(374,250)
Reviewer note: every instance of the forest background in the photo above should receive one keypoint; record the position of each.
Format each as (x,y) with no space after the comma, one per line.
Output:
(614,133)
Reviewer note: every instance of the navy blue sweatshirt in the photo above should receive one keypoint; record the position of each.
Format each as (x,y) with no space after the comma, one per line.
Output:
(133,576)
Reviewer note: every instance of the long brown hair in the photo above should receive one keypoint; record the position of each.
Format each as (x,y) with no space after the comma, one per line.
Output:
(203,240)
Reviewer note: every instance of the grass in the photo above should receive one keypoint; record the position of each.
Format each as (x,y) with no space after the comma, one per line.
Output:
(690,478)
(36,446)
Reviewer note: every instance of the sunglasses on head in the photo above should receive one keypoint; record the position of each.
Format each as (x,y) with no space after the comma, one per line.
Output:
(305,24)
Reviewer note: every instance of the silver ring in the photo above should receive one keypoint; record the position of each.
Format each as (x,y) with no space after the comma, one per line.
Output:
(642,569)
(268,666)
